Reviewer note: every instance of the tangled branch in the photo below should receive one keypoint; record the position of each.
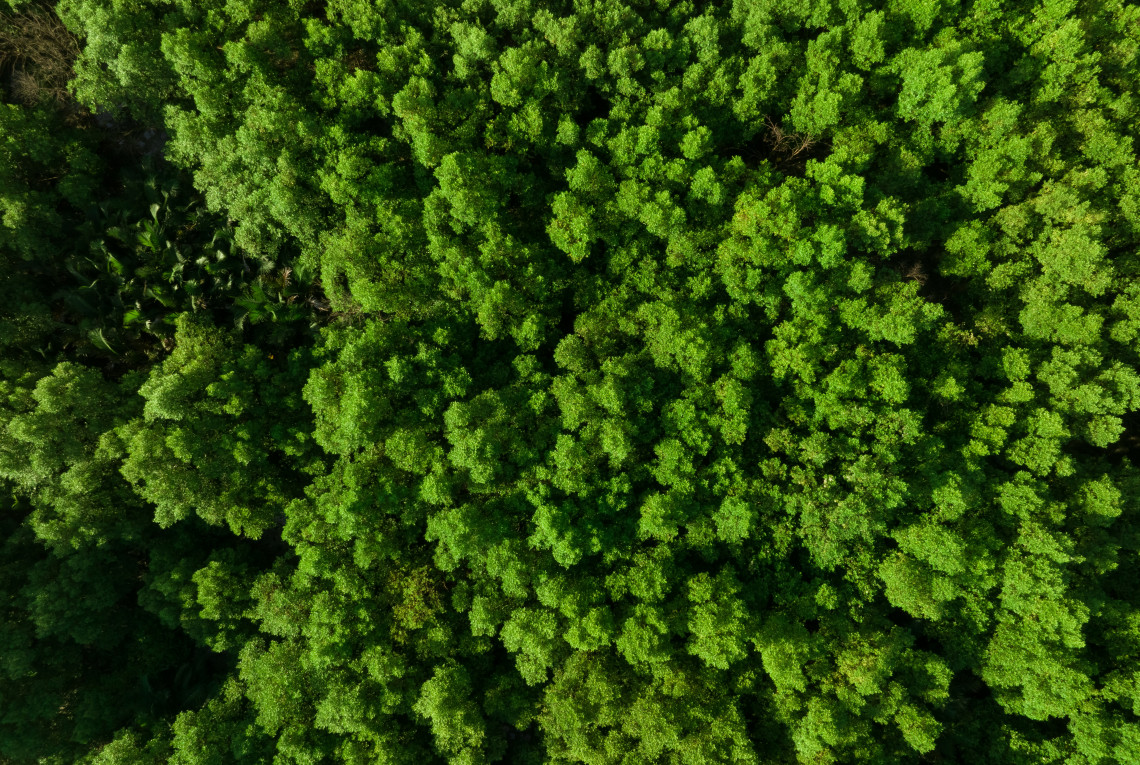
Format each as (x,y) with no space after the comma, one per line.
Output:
(37,55)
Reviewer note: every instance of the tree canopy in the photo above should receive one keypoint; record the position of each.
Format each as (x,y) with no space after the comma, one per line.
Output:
(608,382)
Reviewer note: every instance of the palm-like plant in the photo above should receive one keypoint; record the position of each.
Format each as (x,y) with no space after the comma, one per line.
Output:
(141,269)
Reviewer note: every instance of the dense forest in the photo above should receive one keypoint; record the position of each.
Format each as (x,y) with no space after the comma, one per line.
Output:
(608,381)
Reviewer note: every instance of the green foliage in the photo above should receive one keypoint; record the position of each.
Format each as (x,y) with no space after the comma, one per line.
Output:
(54,450)
(751,383)
(218,431)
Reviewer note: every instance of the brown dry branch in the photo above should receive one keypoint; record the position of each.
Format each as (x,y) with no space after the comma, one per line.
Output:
(37,56)
(915,272)
(786,144)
